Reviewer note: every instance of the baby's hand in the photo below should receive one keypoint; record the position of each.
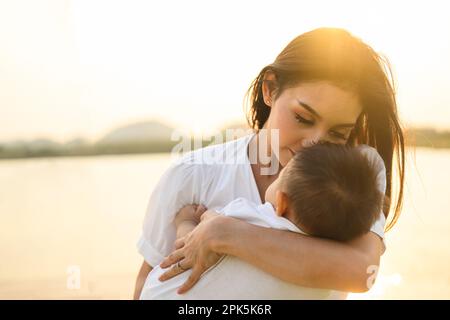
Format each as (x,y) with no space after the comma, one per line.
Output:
(190,212)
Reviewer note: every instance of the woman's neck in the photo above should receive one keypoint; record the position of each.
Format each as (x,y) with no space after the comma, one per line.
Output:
(259,152)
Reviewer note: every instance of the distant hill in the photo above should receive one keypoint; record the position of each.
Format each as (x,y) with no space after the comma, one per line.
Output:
(427,137)
(147,131)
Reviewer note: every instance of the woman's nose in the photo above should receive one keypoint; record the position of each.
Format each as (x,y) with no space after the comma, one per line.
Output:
(310,141)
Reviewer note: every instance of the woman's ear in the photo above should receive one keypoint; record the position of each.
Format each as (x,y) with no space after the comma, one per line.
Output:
(281,203)
(268,87)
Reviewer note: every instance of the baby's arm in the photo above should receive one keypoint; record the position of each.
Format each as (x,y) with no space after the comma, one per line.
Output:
(184,228)
(188,218)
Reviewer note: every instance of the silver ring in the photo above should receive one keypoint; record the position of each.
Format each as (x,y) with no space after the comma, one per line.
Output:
(179,266)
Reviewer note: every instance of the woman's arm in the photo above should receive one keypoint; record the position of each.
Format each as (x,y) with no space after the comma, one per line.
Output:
(140,280)
(295,258)
(185,221)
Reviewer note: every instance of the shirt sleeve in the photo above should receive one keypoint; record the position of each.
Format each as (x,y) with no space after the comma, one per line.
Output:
(377,163)
(177,187)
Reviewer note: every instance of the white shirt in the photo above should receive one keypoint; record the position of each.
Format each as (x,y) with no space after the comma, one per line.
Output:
(233,278)
(213,176)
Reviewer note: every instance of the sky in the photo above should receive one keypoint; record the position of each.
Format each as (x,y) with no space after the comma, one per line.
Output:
(81,68)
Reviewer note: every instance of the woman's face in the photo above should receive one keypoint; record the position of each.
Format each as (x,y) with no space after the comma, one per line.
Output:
(309,113)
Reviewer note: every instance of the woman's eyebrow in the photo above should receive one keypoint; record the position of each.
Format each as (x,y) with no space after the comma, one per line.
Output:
(314,112)
(309,108)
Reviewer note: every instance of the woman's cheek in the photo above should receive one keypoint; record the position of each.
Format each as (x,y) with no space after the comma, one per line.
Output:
(287,135)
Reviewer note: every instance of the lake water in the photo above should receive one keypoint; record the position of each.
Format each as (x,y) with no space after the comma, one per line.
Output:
(69,227)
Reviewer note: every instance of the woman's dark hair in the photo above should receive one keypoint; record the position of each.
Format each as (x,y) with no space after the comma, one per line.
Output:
(336,56)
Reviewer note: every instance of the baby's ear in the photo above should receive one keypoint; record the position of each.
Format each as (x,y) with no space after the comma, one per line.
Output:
(282,203)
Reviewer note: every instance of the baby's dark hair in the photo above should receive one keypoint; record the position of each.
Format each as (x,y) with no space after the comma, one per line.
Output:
(332,191)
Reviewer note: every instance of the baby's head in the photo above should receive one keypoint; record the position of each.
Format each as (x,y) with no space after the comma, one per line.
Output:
(328,191)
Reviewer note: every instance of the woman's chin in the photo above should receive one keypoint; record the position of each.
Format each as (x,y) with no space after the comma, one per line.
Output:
(283,162)
(284,159)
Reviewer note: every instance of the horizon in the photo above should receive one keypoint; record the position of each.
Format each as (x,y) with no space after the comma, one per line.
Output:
(194,134)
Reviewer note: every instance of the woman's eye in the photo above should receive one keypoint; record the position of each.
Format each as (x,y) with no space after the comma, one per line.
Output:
(303,120)
(338,135)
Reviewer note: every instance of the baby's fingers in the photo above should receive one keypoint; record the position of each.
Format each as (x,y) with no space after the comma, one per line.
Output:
(200,210)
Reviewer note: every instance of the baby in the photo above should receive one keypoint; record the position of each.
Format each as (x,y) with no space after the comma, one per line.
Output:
(327,190)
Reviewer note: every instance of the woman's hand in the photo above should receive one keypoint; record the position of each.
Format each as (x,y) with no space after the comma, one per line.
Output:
(195,251)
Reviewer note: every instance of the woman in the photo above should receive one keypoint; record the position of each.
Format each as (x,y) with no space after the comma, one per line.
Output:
(326,85)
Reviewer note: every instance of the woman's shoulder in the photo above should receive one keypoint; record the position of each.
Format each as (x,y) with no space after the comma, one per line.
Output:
(378,164)
(228,152)
(372,154)
(211,162)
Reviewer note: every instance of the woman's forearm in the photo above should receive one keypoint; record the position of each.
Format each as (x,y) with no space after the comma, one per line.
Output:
(140,280)
(299,259)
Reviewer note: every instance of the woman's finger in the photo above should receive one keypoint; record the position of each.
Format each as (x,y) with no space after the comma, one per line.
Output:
(179,243)
(174,257)
(174,271)
(191,281)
